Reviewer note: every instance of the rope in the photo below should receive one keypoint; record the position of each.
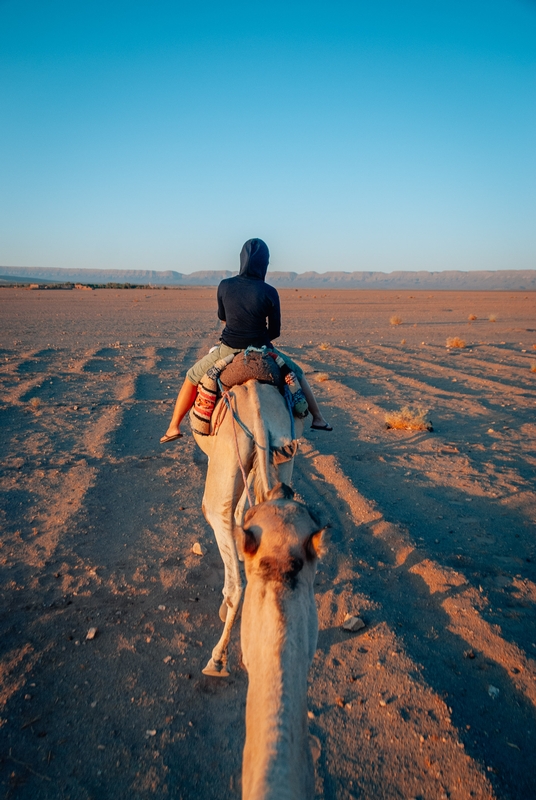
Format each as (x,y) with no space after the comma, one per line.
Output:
(227,399)
(226,395)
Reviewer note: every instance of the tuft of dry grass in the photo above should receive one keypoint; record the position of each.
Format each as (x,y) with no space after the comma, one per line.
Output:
(395,320)
(455,341)
(321,377)
(472,317)
(324,346)
(408,419)
(492,318)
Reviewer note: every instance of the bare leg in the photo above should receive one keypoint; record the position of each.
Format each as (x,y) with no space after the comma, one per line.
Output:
(318,419)
(183,404)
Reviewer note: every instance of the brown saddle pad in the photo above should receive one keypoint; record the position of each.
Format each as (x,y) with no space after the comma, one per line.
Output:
(254,366)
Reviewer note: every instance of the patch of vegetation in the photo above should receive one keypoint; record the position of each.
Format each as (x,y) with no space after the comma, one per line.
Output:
(408,419)
(455,341)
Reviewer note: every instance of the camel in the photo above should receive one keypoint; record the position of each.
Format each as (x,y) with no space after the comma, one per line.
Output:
(281,542)
(256,440)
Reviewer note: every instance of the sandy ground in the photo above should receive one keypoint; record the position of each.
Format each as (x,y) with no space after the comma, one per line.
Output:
(432,544)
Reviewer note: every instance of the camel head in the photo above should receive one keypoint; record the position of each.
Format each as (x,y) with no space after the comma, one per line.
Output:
(281,539)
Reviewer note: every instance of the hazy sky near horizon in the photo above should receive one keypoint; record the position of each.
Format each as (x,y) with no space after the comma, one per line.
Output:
(349,135)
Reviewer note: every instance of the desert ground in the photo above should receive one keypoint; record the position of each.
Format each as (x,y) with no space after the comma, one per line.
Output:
(432,544)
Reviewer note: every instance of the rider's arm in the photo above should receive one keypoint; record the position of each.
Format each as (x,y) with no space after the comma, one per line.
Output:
(274,318)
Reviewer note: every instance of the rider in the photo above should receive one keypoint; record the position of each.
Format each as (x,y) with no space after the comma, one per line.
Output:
(245,304)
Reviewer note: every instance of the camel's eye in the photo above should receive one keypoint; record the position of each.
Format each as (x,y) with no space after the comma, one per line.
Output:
(251,545)
(295,567)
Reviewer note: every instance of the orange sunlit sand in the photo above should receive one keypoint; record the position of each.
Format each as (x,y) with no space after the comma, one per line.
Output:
(431,544)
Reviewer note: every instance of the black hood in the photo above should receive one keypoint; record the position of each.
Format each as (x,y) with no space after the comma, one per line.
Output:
(254,258)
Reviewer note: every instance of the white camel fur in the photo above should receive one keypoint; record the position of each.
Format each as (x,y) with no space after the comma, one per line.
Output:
(281,541)
(265,429)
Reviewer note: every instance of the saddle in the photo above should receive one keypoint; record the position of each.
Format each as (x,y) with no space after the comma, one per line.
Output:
(254,365)
(262,365)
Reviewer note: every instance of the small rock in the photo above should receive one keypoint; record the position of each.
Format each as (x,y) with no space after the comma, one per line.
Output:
(316,747)
(310,714)
(167,659)
(383,703)
(352,623)
(339,701)
(92,632)
(199,550)
(493,692)
(161,608)
(150,733)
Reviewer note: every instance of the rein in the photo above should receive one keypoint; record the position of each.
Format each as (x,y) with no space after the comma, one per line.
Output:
(226,396)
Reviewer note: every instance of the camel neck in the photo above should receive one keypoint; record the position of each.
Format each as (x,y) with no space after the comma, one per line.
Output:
(277,760)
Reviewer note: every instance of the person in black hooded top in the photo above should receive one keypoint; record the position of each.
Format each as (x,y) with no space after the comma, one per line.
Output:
(246,302)
(250,311)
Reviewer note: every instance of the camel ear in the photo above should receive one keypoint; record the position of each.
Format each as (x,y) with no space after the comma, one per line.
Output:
(280,492)
(250,544)
(314,546)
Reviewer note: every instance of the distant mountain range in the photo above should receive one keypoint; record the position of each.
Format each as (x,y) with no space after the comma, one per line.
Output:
(481,280)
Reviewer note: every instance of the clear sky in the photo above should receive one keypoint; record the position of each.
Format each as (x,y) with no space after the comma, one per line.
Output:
(349,134)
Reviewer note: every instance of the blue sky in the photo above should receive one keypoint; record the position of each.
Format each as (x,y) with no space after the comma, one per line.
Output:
(349,135)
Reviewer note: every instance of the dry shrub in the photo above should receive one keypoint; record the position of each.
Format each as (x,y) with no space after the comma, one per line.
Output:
(402,341)
(533,367)
(455,341)
(408,419)
(492,318)
(321,377)
(534,346)
(324,346)
(35,402)
(472,317)
(395,320)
